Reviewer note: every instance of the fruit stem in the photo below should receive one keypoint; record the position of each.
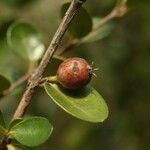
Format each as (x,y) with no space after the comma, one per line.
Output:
(51,79)
(59,57)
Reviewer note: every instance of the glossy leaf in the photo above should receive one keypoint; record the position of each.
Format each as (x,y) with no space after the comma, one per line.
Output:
(32,132)
(86,104)
(25,40)
(81,24)
(98,33)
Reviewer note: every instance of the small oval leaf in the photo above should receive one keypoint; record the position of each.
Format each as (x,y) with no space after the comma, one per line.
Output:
(81,24)
(32,131)
(25,40)
(86,104)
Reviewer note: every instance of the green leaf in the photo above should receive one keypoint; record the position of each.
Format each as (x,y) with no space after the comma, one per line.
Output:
(2,122)
(25,40)
(32,131)
(81,24)
(86,104)
(98,33)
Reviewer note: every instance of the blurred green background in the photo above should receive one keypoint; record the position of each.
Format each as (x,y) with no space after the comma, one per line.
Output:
(123,79)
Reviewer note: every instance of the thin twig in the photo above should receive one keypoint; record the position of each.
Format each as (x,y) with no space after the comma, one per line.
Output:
(59,57)
(37,75)
(51,79)
(119,10)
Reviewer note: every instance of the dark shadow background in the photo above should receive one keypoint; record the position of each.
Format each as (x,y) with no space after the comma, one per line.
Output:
(123,79)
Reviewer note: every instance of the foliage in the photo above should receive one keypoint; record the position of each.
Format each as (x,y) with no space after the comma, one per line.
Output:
(25,40)
(32,132)
(122,55)
(86,104)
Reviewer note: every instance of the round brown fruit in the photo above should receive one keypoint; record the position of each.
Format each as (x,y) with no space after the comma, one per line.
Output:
(74,73)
